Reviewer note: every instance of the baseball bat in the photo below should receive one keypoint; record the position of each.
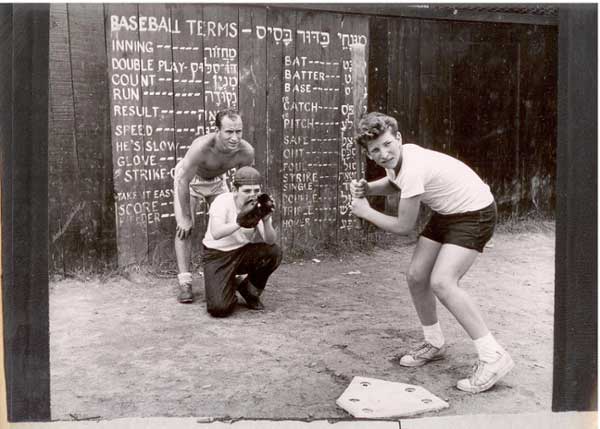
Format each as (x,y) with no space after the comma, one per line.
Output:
(359,93)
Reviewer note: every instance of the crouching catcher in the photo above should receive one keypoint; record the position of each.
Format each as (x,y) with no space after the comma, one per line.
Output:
(239,245)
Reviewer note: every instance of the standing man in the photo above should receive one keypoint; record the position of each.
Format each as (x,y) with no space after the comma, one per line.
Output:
(240,239)
(463,221)
(202,173)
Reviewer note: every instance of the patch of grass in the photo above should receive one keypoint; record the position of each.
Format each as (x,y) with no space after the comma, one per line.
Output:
(528,223)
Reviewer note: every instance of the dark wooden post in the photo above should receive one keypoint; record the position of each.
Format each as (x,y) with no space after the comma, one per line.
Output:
(576,312)
(24,29)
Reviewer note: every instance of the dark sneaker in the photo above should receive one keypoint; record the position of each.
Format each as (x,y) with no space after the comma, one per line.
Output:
(486,374)
(423,354)
(185,294)
(252,300)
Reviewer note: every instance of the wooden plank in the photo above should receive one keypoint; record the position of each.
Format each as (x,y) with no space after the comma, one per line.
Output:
(449,13)
(353,29)
(253,84)
(537,116)
(189,94)
(159,147)
(403,76)
(429,51)
(221,56)
(309,130)
(128,134)
(330,112)
(484,132)
(25,283)
(97,237)
(443,123)
(63,194)
(378,64)
(280,177)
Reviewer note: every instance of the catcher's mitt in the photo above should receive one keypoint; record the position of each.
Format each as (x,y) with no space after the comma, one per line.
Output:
(255,209)
(265,205)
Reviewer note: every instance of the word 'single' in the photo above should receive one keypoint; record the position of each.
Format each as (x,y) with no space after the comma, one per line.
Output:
(376,399)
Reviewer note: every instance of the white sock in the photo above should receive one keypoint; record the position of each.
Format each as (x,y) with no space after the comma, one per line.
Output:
(433,335)
(488,348)
(184,278)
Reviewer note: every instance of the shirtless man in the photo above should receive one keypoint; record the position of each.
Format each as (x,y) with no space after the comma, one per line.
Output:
(202,173)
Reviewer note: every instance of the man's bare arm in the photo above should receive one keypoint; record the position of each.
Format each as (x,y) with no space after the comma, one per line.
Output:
(186,173)
(247,156)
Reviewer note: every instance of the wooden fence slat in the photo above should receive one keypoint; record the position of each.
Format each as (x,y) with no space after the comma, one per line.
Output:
(307,132)
(353,29)
(483,109)
(280,179)
(128,135)
(537,118)
(253,84)
(63,193)
(403,76)
(92,135)
(428,54)
(159,147)
(331,102)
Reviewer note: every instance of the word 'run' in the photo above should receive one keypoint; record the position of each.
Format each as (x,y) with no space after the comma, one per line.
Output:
(227,29)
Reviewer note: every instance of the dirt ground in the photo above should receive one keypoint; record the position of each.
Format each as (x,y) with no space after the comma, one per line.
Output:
(123,348)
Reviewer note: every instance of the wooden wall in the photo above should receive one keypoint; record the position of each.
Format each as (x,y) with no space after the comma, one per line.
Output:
(81,206)
(483,92)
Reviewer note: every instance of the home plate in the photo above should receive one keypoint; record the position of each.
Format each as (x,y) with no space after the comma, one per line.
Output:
(376,399)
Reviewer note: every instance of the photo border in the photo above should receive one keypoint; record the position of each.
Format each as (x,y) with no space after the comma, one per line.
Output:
(24,31)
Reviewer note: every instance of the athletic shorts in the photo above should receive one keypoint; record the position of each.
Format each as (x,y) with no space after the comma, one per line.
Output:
(201,187)
(471,230)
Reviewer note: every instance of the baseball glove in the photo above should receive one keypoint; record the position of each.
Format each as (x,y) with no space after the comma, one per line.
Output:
(255,209)
(265,205)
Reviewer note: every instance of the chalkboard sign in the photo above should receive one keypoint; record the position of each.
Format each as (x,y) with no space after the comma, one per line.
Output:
(173,67)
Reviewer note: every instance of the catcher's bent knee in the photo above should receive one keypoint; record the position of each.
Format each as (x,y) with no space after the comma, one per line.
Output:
(221,310)
(275,252)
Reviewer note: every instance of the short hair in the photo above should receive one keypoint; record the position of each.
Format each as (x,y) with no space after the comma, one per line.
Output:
(229,113)
(372,125)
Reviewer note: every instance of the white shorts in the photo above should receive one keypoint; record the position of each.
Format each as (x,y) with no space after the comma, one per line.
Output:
(199,187)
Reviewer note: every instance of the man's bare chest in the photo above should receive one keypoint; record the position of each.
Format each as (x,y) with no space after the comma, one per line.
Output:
(211,165)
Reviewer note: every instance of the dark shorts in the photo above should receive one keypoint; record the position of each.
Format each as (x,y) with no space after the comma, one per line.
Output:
(471,229)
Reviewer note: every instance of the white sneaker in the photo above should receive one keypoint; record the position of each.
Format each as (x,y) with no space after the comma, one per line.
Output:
(486,374)
(423,354)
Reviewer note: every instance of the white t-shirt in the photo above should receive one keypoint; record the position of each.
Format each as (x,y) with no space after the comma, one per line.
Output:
(223,207)
(445,184)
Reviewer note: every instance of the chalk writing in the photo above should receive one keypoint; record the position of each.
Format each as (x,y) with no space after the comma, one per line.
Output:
(170,74)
